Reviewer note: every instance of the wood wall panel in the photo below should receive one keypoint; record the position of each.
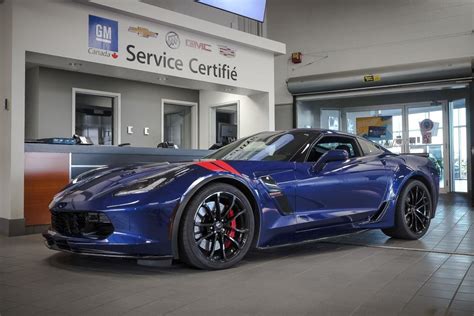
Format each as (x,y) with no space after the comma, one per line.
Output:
(45,175)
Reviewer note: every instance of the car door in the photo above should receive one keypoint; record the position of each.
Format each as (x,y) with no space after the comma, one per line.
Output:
(342,191)
(367,182)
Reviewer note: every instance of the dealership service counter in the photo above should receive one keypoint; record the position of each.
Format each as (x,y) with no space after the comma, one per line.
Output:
(48,168)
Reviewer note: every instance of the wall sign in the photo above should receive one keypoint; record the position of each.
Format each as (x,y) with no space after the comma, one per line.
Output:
(375,127)
(103,37)
(103,33)
(174,51)
(226,51)
(426,128)
(172,40)
(163,60)
(142,32)
(372,78)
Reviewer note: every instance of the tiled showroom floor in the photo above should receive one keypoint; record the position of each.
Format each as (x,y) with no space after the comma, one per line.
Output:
(362,274)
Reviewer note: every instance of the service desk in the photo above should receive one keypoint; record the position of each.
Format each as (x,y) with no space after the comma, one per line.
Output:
(48,168)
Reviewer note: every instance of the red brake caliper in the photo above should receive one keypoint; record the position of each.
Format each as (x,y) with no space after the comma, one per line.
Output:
(231,232)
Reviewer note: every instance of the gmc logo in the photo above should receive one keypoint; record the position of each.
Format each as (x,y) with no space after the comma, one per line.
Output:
(198,45)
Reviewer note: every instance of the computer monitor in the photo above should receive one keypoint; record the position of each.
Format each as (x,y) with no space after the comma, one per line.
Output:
(252,9)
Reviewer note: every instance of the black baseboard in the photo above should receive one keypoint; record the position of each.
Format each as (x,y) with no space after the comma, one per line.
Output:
(37,229)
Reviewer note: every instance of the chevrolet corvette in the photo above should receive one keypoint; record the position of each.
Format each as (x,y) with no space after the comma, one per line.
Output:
(269,189)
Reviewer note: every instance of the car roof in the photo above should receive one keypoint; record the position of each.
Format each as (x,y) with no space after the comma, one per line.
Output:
(319,131)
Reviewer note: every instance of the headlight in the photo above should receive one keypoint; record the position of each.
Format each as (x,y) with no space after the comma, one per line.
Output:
(142,186)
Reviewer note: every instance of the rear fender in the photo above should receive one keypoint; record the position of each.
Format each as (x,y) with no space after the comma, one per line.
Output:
(388,219)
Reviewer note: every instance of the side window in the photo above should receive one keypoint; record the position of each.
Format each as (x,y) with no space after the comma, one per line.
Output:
(333,142)
(369,148)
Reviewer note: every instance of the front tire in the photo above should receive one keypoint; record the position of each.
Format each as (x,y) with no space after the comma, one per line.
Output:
(217,228)
(413,212)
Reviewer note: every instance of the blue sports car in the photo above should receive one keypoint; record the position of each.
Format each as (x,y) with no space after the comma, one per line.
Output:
(269,189)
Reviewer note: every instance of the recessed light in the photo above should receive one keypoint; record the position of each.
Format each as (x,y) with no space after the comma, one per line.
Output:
(75,65)
(228,89)
(162,78)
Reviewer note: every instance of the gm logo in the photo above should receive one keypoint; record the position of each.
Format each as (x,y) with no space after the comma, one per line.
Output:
(103,33)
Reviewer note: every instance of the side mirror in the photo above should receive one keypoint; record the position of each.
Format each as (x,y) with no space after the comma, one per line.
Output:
(330,156)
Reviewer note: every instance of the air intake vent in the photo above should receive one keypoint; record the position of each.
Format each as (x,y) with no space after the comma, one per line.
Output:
(92,225)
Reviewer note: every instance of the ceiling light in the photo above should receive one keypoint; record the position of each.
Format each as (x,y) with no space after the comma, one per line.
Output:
(162,78)
(75,65)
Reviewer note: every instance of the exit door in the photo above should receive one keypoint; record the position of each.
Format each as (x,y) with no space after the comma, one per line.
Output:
(415,128)
(427,133)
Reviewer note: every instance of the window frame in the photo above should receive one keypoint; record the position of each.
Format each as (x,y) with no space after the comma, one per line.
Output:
(116,110)
(358,153)
(298,156)
(381,150)
(194,106)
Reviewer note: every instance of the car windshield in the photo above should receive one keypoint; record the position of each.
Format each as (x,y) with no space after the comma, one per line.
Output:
(275,146)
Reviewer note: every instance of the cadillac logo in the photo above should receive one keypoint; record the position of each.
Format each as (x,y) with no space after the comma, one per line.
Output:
(226,51)
(172,40)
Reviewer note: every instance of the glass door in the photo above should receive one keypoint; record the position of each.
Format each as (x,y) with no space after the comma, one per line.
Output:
(330,119)
(426,134)
(383,126)
(458,141)
(177,125)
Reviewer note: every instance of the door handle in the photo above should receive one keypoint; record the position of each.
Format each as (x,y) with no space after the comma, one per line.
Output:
(383,162)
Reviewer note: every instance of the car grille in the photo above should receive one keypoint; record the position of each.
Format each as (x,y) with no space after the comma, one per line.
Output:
(93,225)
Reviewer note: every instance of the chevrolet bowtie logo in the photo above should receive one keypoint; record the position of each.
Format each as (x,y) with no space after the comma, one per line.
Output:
(142,32)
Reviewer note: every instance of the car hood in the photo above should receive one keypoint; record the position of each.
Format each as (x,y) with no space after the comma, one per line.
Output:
(99,182)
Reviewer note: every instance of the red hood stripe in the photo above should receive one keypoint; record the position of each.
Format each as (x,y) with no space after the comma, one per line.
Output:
(209,166)
(226,166)
(217,165)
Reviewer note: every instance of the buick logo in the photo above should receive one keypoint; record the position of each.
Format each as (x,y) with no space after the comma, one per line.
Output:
(172,40)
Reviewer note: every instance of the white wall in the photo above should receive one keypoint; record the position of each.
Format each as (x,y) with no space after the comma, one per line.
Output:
(253,114)
(338,35)
(5,93)
(140,104)
(283,117)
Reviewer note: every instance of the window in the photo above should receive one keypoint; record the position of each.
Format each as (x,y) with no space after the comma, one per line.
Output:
(224,124)
(333,142)
(179,123)
(96,115)
(391,137)
(276,146)
(330,119)
(459,153)
(369,148)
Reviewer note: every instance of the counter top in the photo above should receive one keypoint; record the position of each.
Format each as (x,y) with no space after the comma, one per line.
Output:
(92,149)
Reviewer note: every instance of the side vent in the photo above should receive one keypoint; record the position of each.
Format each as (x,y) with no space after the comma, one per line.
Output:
(380,212)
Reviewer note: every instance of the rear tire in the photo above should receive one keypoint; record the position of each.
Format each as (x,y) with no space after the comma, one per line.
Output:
(217,228)
(413,212)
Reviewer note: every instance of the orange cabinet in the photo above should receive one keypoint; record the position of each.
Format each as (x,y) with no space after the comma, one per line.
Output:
(45,175)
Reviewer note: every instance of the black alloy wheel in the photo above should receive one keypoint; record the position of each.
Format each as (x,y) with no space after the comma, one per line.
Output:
(218,228)
(417,209)
(413,212)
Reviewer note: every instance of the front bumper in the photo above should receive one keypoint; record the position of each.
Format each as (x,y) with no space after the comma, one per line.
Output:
(126,233)
(101,248)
